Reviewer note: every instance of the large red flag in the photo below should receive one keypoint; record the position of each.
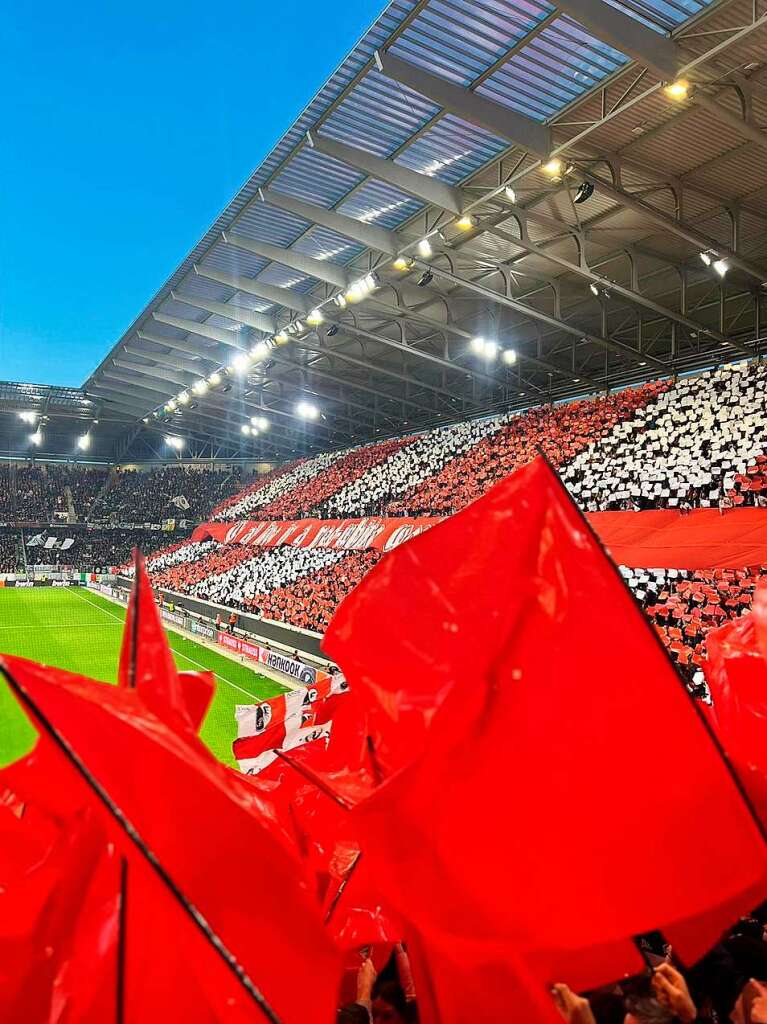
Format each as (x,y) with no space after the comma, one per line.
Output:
(552,790)
(736,671)
(213,865)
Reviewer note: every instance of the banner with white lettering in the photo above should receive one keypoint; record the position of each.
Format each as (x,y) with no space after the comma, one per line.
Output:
(382,534)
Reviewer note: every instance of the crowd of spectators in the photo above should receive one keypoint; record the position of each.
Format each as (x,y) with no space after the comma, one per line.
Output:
(170,492)
(683,450)
(306,497)
(561,432)
(41,490)
(310,602)
(10,550)
(100,549)
(265,491)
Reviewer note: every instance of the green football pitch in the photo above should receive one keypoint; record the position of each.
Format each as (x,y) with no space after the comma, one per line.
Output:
(81,632)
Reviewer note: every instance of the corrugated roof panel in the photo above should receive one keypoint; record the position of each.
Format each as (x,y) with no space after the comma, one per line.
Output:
(462,39)
(451,149)
(284,277)
(233,260)
(380,204)
(322,244)
(204,288)
(270,224)
(316,178)
(556,67)
(378,115)
(247,301)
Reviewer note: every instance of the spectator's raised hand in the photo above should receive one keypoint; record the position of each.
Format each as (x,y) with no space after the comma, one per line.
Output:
(574,1008)
(672,993)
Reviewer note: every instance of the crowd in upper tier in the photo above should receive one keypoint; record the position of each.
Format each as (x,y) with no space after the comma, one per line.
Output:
(700,441)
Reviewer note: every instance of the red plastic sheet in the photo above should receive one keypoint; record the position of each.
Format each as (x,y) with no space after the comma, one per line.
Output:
(555,791)
(702,539)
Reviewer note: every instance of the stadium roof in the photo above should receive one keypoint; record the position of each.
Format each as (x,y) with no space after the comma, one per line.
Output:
(453,154)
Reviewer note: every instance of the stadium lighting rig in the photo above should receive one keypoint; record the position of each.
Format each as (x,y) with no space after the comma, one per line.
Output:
(175,442)
(307,411)
(84,442)
(28,417)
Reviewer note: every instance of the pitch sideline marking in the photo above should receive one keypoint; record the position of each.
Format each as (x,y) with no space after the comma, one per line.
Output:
(179,653)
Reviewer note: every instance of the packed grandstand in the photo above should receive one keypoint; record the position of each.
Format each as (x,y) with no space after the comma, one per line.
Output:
(695,442)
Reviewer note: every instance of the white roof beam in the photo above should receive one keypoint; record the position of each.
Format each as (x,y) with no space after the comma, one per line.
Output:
(422,186)
(259,321)
(323,270)
(649,48)
(252,286)
(366,234)
(493,117)
(229,338)
(187,346)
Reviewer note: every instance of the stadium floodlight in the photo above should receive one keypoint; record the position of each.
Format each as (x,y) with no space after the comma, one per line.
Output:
(174,442)
(477,345)
(340,300)
(145,419)
(84,442)
(215,379)
(36,438)
(721,267)
(259,350)
(307,411)
(28,417)
(467,222)
(509,356)
(240,362)
(403,263)
(593,289)
(281,337)
(245,428)
(200,387)
(490,350)
(315,317)
(184,398)
(424,248)
(554,168)
(678,90)
(262,422)
(511,195)
(357,291)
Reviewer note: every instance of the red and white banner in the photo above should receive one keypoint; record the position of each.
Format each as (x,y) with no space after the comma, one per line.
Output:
(382,534)
(284,722)
(657,538)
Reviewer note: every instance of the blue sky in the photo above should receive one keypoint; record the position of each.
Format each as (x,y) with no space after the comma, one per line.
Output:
(126,129)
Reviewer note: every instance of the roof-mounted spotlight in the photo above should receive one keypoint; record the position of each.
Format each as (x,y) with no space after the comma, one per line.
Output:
(259,350)
(84,442)
(424,248)
(426,278)
(509,356)
(259,422)
(340,300)
(36,438)
(184,398)
(215,379)
(510,194)
(240,362)
(554,168)
(403,263)
(172,405)
(678,90)
(315,317)
(28,417)
(705,257)
(193,405)
(466,222)
(721,267)
(307,411)
(200,387)
(245,428)
(477,345)
(174,442)
(145,419)
(333,329)
(585,192)
(280,337)
(593,289)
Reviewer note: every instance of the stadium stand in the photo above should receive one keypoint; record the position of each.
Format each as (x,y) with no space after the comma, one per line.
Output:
(10,553)
(167,493)
(692,442)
